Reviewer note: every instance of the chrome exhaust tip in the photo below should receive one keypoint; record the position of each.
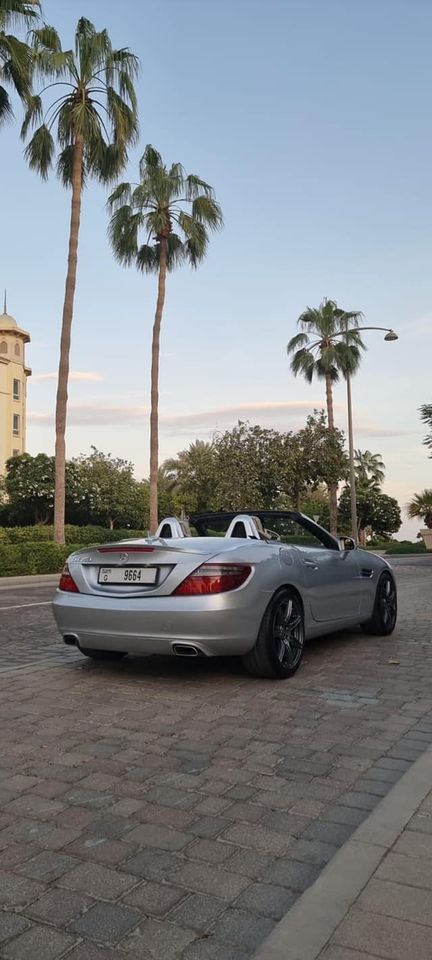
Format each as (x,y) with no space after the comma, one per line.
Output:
(185,650)
(70,639)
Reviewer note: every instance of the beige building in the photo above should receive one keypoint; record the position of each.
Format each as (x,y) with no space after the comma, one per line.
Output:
(13,377)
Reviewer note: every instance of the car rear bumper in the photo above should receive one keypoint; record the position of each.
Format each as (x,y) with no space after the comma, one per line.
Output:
(221,625)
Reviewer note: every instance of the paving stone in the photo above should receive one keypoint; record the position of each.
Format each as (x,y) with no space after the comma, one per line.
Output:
(109,826)
(47,866)
(214,950)
(333,833)
(268,899)
(31,806)
(58,906)
(397,900)
(337,813)
(414,844)
(249,863)
(197,912)
(383,773)
(154,899)
(404,869)
(293,874)
(391,763)
(378,787)
(242,928)
(17,891)
(258,837)
(208,827)
(101,850)
(90,951)
(125,808)
(16,853)
(204,878)
(97,881)
(158,940)
(11,925)
(384,936)
(334,952)
(211,806)
(240,792)
(150,835)
(152,864)
(312,851)
(423,824)
(170,797)
(212,851)
(41,942)
(246,812)
(106,922)
(167,816)
(359,800)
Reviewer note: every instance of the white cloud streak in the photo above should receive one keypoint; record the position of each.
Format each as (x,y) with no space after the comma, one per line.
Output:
(88,375)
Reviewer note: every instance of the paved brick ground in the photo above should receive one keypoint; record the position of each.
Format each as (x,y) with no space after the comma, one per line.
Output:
(164,810)
(392,918)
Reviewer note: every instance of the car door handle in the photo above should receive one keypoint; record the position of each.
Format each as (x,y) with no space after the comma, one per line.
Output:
(310,563)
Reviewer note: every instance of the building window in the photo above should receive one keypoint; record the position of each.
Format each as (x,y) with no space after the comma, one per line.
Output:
(17,350)
(16,389)
(16,453)
(3,347)
(16,425)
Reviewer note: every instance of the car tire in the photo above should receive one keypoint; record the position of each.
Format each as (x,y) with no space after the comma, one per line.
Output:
(102,654)
(384,616)
(278,651)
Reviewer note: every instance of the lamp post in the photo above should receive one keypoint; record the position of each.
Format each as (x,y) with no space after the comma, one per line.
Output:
(390,335)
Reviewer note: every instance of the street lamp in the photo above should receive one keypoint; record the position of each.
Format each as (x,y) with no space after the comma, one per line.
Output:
(390,335)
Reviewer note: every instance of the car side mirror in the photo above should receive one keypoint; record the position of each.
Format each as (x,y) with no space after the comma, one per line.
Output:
(347,543)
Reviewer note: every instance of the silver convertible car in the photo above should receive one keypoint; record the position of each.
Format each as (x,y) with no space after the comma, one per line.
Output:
(254,585)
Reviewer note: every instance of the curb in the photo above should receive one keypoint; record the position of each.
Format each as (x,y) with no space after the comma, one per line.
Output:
(29,580)
(306,929)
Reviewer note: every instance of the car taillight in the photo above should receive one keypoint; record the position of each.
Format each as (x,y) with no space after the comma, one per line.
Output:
(67,581)
(214,578)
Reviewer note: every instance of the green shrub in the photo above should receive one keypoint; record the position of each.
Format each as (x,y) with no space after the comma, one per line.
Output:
(73,534)
(25,559)
(405,547)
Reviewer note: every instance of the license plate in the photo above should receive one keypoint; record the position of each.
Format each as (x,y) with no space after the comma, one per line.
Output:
(127,575)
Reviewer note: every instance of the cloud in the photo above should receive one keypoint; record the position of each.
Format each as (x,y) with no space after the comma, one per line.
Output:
(89,375)
(371,431)
(109,414)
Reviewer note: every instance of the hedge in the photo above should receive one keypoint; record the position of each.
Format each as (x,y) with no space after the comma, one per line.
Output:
(73,534)
(405,547)
(24,559)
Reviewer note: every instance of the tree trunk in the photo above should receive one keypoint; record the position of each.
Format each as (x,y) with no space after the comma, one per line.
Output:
(154,404)
(332,487)
(63,370)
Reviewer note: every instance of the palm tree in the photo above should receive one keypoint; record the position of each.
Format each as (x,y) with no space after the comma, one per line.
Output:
(329,348)
(15,55)
(370,468)
(166,200)
(426,416)
(421,506)
(93,113)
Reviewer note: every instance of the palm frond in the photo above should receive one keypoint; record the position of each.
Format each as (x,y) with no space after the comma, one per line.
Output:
(147,258)
(300,340)
(40,151)
(150,161)
(32,115)
(6,111)
(46,38)
(194,186)
(207,211)
(120,196)
(123,233)
(304,362)
(122,117)
(18,13)
(196,238)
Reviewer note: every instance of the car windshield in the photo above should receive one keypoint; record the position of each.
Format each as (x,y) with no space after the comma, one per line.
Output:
(282,526)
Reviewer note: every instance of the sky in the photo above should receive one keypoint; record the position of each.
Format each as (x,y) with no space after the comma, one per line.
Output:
(311,119)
